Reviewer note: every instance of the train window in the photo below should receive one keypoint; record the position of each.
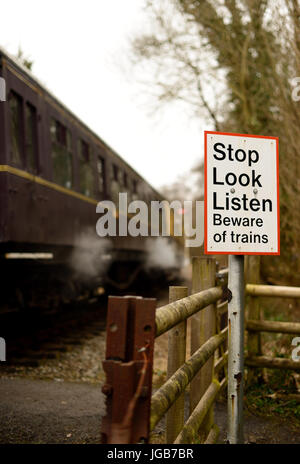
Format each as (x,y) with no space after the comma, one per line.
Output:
(115,173)
(61,154)
(121,179)
(16,127)
(53,130)
(134,189)
(31,137)
(101,173)
(125,180)
(69,141)
(134,186)
(115,187)
(85,169)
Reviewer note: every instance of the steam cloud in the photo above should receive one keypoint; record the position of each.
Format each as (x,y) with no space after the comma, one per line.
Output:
(91,255)
(162,253)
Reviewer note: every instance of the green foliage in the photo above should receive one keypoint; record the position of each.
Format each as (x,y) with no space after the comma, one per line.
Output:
(261,398)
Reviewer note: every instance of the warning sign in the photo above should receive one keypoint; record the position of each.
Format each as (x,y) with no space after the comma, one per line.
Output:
(241,194)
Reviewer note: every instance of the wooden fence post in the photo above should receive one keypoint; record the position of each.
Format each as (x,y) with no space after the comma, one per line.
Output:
(253,312)
(202,328)
(176,357)
(220,312)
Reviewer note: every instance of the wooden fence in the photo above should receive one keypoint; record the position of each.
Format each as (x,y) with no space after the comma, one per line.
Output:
(204,372)
(255,324)
(133,324)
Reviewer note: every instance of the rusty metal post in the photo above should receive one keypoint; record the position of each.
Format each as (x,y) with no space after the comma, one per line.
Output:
(128,367)
(236,349)
(176,357)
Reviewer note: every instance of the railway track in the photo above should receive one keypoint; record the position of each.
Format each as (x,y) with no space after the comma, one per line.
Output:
(38,344)
(31,339)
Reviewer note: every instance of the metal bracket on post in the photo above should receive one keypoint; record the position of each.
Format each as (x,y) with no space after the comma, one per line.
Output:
(227,294)
(128,368)
(236,349)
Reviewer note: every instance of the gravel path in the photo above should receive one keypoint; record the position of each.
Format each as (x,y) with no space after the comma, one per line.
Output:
(39,411)
(260,430)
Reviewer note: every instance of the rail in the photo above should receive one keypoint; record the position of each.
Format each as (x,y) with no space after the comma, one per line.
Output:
(255,324)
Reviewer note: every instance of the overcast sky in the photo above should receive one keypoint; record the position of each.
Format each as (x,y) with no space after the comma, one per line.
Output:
(76,47)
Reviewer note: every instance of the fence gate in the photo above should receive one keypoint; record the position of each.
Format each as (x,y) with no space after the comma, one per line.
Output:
(132,325)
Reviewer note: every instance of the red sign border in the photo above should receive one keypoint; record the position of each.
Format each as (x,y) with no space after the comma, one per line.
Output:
(205,194)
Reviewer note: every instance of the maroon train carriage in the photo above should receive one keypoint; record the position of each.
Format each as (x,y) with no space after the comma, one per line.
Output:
(53,172)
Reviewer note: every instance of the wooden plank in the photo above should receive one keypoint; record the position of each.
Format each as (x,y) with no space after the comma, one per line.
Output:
(163,398)
(274,326)
(253,311)
(213,435)
(221,362)
(203,326)
(273,363)
(273,291)
(190,431)
(171,314)
(176,357)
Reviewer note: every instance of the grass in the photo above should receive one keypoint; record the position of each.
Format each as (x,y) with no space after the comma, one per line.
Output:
(260,396)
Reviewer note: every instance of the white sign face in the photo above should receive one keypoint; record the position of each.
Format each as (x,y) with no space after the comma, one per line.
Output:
(241,194)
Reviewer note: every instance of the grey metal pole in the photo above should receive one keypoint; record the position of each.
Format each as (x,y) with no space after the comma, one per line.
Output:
(236,349)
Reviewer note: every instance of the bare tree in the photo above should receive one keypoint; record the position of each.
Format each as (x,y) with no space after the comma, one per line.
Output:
(232,61)
(24,60)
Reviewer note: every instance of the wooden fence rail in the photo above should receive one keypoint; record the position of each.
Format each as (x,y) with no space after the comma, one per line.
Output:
(171,314)
(255,323)
(272,290)
(175,385)
(274,326)
(273,363)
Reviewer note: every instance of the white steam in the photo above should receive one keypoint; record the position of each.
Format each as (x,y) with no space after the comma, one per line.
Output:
(91,255)
(162,253)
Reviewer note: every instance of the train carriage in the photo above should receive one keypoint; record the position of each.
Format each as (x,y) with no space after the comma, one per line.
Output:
(53,172)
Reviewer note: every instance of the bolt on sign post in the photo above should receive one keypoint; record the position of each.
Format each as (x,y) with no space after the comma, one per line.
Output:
(241,218)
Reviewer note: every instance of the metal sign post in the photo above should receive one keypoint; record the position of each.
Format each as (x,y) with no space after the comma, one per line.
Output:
(235,349)
(241,218)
